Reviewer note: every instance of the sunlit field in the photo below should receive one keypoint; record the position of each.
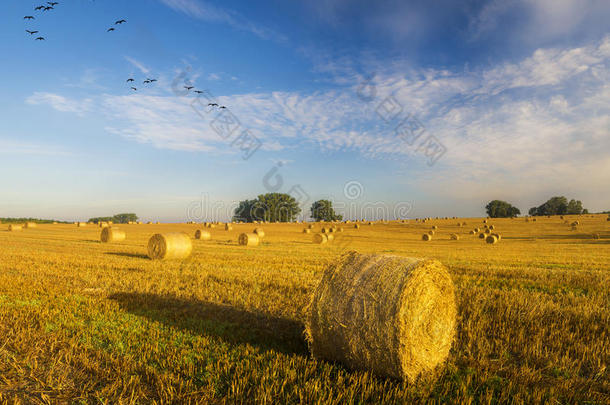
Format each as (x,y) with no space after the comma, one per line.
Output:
(87,322)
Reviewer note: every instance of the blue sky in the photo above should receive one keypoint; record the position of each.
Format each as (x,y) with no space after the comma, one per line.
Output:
(511,100)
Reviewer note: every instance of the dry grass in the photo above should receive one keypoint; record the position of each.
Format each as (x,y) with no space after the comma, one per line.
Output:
(86,322)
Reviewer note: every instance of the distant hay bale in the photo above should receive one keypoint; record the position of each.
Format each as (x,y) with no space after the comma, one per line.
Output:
(595,236)
(473,232)
(340,229)
(103,224)
(81,224)
(14,227)
(169,246)
(482,235)
(477,230)
(330,237)
(259,232)
(498,236)
(110,235)
(459,224)
(356,226)
(561,217)
(391,315)
(320,238)
(431,232)
(426,237)
(527,220)
(492,227)
(484,221)
(455,236)
(534,219)
(211,226)
(310,226)
(306,230)
(29,225)
(434,227)
(248,239)
(200,234)
(575,223)
(324,230)
(491,239)
(228,227)
(332,230)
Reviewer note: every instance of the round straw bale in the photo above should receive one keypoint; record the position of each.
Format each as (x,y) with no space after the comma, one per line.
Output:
(473,232)
(492,227)
(434,227)
(324,230)
(110,235)
(431,232)
(14,227)
(498,236)
(259,232)
(455,236)
(534,219)
(464,223)
(310,226)
(320,238)
(228,227)
(211,226)
(491,239)
(202,235)
(484,221)
(356,226)
(482,235)
(306,230)
(248,239)
(169,246)
(426,237)
(81,224)
(29,225)
(330,237)
(340,229)
(477,230)
(394,316)
(459,224)
(332,229)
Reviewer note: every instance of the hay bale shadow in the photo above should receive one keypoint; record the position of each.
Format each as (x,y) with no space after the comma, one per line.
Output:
(125,254)
(230,324)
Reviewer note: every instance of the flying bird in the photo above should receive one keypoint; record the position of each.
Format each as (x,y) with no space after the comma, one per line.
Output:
(48,8)
(29,17)
(120,22)
(134,89)
(40,39)
(222,106)
(31,32)
(146,81)
(52,3)
(212,105)
(152,80)
(198,91)
(110,29)
(188,88)
(39,8)
(130,80)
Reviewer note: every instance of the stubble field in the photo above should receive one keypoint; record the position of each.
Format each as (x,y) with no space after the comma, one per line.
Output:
(86,322)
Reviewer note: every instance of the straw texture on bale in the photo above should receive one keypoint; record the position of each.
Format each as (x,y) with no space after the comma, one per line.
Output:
(426,237)
(394,316)
(324,230)
(473,232)
(491,239)
(202,235)
(434,227)
(248,239)
(306,230)
(81,224)
(310,226)
(356,226)
(320,238)
(330,237)
(28,225)
(169,246)
(228,227)
(492,227)
(498,236)
(455,236)
(259,232)
(13,227)
(110,235)
(482,235)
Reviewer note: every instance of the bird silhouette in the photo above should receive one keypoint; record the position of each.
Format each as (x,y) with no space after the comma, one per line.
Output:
(188,88)
(120,22)
(52,3)
(31,32)
(130,80)
(222,106)
(146,81)
(39,8)
(212,105)
(152,80)
(198,91)
(29,17)
(40,39)
(134,89)
(48,8)
(110,29)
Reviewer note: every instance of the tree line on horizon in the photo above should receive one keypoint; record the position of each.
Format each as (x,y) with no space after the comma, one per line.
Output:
(558,205)
(117,219)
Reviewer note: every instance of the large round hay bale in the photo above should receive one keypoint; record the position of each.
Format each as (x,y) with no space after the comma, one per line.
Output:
(14,227)
(492,227)
(169,246)
(394,316)
(330,237)
(259,232)
(320,238)
(455,236)
(491,239)
(110,235)
(426,237)
(356,226)
(29,225)
(340,229)
(477,230)
(324,230)
(306,230)
(103,224)
(431,232)
(473,232)
(202,235)
(434,227)
(228,227)
(310,226)
(81,224)
(498,236)
(248,239)
(482,235)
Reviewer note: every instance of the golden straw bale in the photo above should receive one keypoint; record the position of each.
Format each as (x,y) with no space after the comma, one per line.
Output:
(477,230)
(391,315)
(492,227)
(228,227)
(356,226)
(426,237)
(306,230)
(169,246)
(330,237)
(473,232)
(14,227)
(248,239)
(320,238)
(455,236)
(491,239)
(110,235)
(259,232)
(310,226)
(498,236)
(202,235)
(340,229)
(431,232)
(29,225)
(482,235)
(434,227)
(324,230)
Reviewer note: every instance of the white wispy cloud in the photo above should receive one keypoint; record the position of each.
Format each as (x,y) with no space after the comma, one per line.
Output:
(60,103)
(15,147)
(207,12)
(139,65)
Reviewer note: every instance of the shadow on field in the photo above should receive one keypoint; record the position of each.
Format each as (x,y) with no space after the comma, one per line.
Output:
(133,255)
(225,322)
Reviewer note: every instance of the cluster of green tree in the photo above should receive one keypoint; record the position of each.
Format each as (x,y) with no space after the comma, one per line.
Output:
(501,209)
(117,219)
(322,210)
(270,207)
(559,206)
(20,220)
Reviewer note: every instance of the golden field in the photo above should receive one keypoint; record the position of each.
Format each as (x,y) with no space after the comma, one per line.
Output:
(87,322)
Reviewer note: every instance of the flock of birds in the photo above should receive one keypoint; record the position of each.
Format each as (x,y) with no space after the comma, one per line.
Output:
(51,6)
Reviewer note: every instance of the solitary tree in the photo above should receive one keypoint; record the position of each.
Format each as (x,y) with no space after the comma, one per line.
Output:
(501,209)
(322,210)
